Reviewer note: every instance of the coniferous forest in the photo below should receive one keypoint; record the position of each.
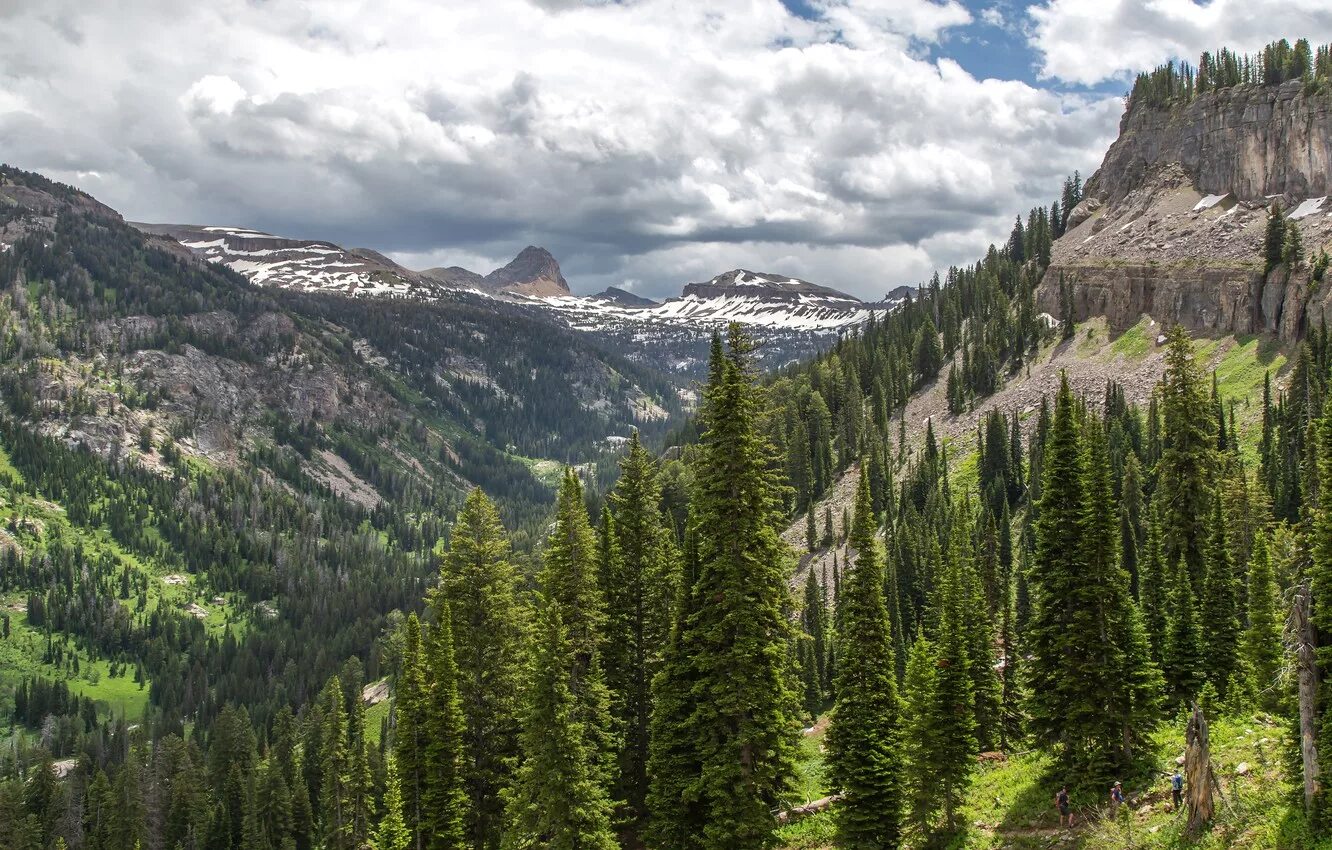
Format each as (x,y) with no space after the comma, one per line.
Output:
(635,656)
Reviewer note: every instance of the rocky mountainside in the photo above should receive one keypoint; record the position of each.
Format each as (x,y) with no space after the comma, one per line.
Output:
(370,398)
(533,272)
(1173,223)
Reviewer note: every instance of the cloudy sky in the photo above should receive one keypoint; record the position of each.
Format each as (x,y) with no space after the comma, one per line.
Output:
(858,143)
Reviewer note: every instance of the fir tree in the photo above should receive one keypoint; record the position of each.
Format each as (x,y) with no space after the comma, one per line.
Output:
(556,800)
(335,764)
(569,581)
(921,739)
(815,620)
(1183,652)
(443,797)
(1154,589)
(953,709)
(864,736)
(1261,647)
(1221,649)
(392,833)
(641,584)
(1183,489)
(744,715)
(490,626)
(409,739)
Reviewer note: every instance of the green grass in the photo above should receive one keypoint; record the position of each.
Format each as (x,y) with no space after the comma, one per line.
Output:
(1134,343)
(1010,804)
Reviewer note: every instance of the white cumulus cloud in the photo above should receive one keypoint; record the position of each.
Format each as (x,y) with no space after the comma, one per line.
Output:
(657,141)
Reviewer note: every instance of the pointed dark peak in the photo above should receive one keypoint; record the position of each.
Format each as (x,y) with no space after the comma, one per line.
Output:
(533,269)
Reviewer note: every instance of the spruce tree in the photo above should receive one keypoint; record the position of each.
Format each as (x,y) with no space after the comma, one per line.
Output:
(1183,652)
(814,618)
(1183,489)
(1154,588)
(335,763)
(641,585)
(1261,647)
(1218,609)
(864,737)
(409,738)
(569,581)
(443,796)
(921,737)
(392,833)
(744,715)
(557,800)
(490,630)
(953,709)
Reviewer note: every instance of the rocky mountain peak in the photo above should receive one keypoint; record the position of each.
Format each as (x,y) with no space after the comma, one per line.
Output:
(533,272)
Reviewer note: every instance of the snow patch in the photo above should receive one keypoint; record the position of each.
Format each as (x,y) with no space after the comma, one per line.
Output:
(1307,208)
(1210,201)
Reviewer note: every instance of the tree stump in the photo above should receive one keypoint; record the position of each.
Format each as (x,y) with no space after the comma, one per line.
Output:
(1198,772)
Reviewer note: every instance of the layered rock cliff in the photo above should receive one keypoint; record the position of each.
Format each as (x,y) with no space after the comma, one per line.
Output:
(1172,224)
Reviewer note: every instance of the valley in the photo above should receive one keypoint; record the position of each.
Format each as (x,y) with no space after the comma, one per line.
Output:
(301,549)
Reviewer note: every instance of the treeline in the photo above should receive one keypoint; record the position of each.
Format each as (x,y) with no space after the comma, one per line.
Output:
(1277,63)
(980,320)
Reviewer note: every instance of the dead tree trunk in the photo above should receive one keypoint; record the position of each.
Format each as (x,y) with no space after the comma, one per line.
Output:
(1198,772)
(1299,632)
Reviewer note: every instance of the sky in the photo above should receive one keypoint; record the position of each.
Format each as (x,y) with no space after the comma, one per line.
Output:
(861,144)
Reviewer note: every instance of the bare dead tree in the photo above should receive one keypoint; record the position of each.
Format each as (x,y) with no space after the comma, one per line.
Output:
(1198,772)
(1300,643)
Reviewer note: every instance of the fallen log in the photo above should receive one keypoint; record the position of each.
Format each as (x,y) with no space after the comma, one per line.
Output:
(806,810)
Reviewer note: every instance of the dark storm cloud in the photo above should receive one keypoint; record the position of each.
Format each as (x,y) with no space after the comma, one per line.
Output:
(646,143)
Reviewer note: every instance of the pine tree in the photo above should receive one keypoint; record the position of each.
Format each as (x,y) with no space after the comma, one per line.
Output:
(811,528)
(815,621)
(335,764)
(864,736)
(1221,649)
(744,714)
(1183,652)
(1154,588)
(921,739)
(392,833)
(569,581)
(953,711)
(641,584)
(556,801)
(1261,647)
(1183,489)
(443,797)
(409,740)
(490,626)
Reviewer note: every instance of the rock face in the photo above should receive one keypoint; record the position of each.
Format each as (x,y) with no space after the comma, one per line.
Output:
(533,272)
(1253,141)
(1172,225)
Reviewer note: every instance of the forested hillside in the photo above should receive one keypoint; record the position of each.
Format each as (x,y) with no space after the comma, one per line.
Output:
(264,589)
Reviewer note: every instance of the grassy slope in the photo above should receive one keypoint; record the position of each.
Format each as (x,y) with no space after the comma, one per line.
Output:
(28,522)
(1010,804)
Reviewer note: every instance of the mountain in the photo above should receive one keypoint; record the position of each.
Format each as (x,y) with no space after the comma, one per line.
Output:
(304,265)
(1174,221)
(623,297)
(534,272)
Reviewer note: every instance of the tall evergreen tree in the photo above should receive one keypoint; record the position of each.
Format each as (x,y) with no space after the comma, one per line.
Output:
(557,800)
(569,581)
(864,737)
(443,796)
(490,627)
(641,584)
(1183,661)
(1183,488)
(1261,647)
(1221,649)
(744,715)
(409,739)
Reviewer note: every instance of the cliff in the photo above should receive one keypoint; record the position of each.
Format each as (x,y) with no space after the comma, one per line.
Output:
(1172,224)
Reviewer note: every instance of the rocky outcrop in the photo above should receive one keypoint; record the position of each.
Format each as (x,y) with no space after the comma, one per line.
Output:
(1172,224)
(533,272)
(1252,141)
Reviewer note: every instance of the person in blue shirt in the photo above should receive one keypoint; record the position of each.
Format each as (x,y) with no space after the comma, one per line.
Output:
(1177,789)
(1116,798)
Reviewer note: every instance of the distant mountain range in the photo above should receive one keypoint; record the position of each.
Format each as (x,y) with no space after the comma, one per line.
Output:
(762,300)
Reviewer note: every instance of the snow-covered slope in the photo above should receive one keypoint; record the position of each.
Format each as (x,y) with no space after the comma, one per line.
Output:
(301,264)
(750,298)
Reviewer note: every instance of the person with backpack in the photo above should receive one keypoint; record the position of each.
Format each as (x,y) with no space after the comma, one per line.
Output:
(1061,802)
(1116,798)
(1177,789)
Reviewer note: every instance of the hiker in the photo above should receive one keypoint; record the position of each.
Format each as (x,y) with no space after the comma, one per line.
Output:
(1061,801)
(1116,798)
(1177,789)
